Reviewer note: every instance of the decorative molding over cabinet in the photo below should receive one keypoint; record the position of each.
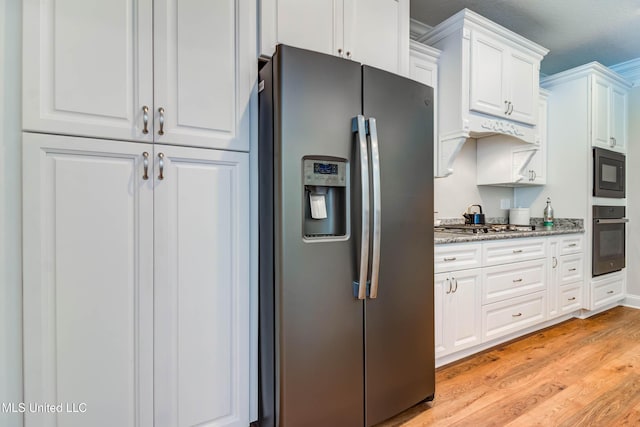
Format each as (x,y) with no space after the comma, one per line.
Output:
(104,69)
(373,32)
(630,70)
(488,83)
(136,296)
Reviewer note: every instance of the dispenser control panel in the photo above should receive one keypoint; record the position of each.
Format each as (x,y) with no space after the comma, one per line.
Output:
(325,173)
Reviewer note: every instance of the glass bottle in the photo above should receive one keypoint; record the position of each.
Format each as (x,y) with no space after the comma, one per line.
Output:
(548,214)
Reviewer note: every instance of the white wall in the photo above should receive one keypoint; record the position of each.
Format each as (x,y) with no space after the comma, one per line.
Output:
(633,194)
(10,210)
(454,193)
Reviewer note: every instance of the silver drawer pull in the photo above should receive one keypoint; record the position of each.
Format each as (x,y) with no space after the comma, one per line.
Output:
(572,269)
(610,292)
(573,245)
(572,299)
(517,251)
(517,280)
(516,315)
(450,258)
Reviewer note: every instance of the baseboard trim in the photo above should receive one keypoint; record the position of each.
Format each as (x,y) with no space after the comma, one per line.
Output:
(632,301)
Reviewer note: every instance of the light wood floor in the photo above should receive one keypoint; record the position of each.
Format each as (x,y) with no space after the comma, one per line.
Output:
(577,373)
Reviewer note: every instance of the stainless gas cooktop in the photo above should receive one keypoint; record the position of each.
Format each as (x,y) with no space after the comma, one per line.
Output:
(483,228)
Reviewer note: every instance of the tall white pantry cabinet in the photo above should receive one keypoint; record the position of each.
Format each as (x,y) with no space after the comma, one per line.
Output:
(137,120)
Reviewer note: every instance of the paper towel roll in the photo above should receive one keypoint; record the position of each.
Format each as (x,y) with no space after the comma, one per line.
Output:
(519,216)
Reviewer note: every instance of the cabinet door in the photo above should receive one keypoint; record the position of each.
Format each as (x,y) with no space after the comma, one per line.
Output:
(523,81)
(315,25)
(442,289)
(618,119)
(463,319)
(600,113)
(488,79)
(88,281)
(203,72)
(87,67)
(201,288)
(377,33)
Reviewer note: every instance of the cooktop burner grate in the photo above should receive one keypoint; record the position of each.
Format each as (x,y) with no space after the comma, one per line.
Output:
(484,228)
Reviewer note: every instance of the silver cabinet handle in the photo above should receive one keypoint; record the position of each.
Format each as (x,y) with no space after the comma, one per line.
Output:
(145,119)
(358,125)
(450,259)
(517,251)
(535,175)
(348,54)
(572,269)
(377,205)
(455,282)
(555,262)
(340,53)
(516,315)
(571,299)
(145,165)
(510,107)
(449,283)
(506,108)
(161,166)
(612,142)
(517,280)
(610,292)
(573,245)
(161,120)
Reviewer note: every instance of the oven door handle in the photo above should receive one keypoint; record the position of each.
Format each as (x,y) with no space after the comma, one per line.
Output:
(612,221)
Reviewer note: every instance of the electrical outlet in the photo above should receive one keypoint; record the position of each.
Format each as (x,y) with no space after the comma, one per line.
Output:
(505,203)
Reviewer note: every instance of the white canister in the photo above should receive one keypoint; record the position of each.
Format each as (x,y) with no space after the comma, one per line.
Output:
(519,216)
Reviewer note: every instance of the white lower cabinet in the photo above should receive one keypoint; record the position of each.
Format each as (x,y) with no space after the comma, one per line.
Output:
(607,289)
(502,318)
(136,300)
(566,274)
(457,310)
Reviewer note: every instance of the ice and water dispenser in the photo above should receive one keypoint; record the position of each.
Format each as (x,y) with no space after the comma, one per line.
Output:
(326,186)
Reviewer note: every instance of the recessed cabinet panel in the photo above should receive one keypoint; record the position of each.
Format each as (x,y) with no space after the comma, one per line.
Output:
(523,88)
(201,242)
(487,75)
(88,283)
(601,112)
(200,79)
(87,67)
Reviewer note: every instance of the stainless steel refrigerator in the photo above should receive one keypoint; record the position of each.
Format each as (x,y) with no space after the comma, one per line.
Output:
(346,242)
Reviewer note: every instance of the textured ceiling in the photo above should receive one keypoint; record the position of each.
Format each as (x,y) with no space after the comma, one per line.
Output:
(575,31)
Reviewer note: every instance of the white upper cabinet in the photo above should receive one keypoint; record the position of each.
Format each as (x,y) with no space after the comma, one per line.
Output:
(374,32)
(87,67)
(504,81)
(609,123)
(488,83)
(176,72)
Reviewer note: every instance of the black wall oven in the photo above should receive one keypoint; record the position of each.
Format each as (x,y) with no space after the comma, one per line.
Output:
(608,174)
(608,239)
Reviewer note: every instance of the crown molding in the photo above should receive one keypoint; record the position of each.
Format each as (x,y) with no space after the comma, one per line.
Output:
(630,70)
(582,71)
(418,29)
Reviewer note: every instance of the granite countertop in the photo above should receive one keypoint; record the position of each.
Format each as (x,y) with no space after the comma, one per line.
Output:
(562,226)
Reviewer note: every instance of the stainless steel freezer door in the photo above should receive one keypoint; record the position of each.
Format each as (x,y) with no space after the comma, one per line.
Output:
(319,324)
(399,331)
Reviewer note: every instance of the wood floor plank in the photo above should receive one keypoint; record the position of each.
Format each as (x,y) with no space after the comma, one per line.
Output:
(578,373)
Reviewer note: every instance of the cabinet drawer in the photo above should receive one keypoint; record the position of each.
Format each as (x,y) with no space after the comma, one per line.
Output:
(502,318)
(570,297)
(510,280)
(571,245)
(607,290)
(457,257)
(571,268)
(513,250)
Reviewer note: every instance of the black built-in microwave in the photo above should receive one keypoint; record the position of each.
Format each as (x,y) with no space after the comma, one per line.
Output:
(608,174)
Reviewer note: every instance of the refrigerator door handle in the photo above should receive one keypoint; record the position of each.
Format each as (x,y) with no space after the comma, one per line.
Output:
(377,206)
(359,126)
